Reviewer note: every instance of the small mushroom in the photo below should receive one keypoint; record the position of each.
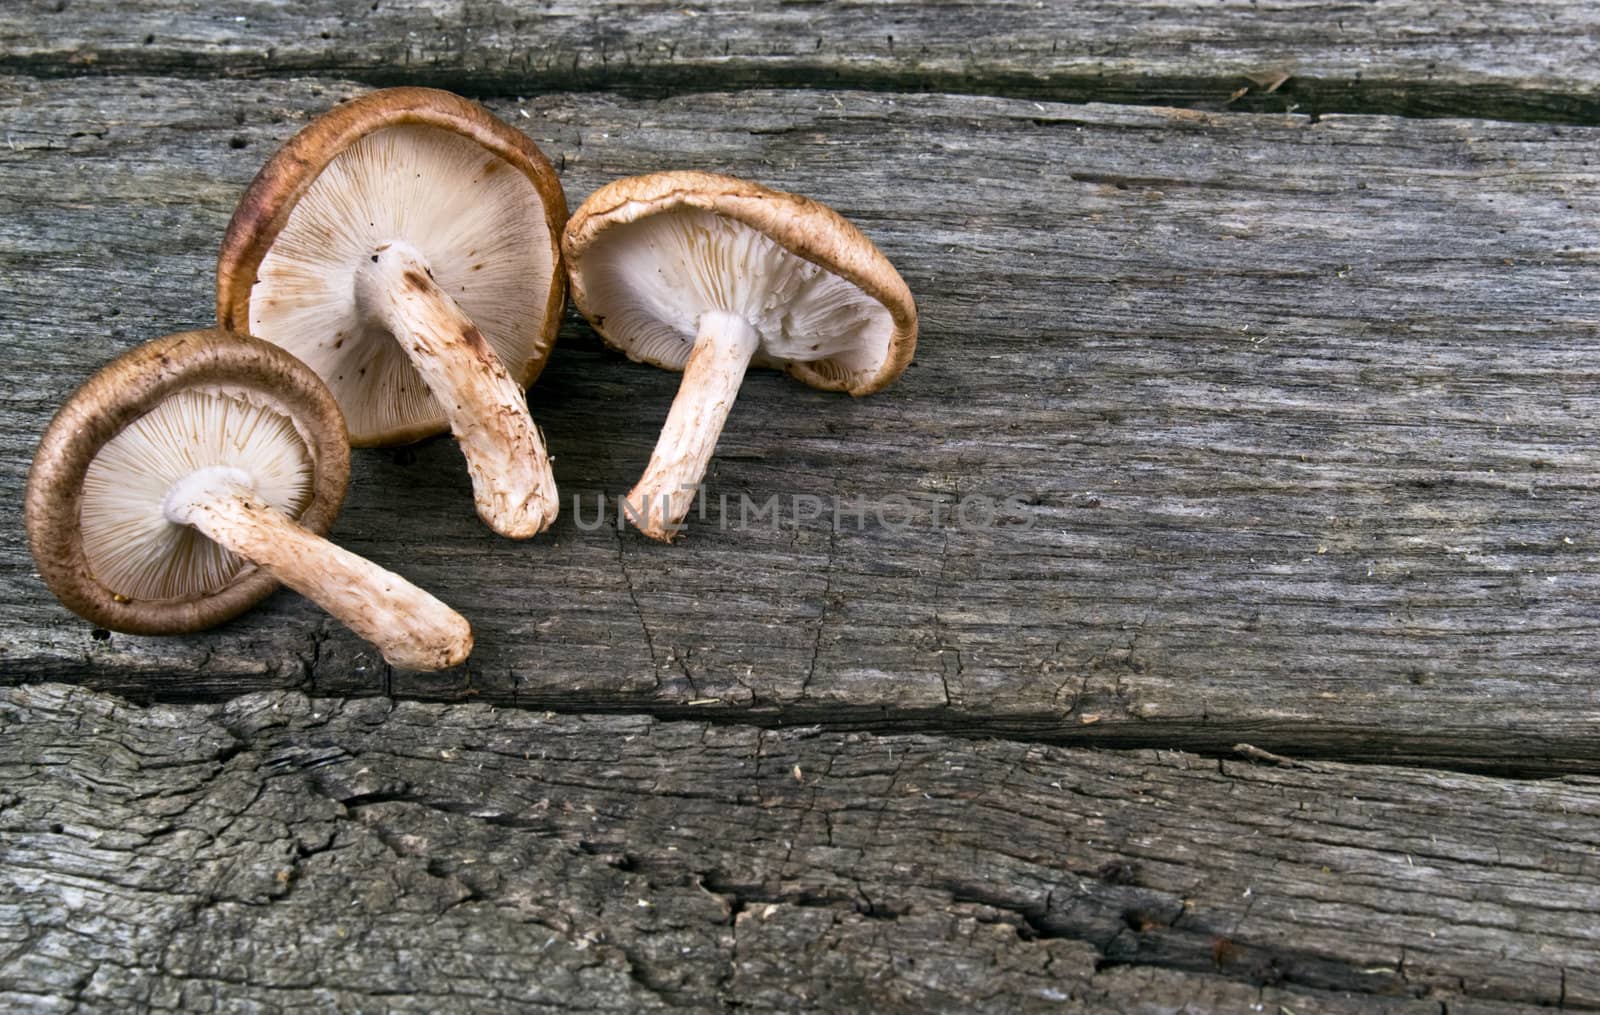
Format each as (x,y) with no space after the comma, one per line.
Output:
(184,481)
(709,274)
(405,246)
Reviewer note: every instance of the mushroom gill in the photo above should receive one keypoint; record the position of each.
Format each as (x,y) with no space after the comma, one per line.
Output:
(656,276)
(131,546)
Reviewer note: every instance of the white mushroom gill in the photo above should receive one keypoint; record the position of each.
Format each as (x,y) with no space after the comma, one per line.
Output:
(694,291)
(131,546)
(477,221)
(651,279)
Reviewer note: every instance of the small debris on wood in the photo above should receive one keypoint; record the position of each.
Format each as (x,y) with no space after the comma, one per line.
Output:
(1272,79)
(1257,754)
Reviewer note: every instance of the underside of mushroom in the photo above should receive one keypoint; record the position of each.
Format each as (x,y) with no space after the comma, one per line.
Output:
(693,290)
(206,484)
(414,274)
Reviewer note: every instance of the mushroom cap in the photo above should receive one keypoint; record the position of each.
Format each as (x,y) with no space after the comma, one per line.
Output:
(281,410)
(852,326)
(415,164)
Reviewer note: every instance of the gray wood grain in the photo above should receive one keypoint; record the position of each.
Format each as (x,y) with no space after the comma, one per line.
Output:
(1304,413)
(1538,60)
(283,853)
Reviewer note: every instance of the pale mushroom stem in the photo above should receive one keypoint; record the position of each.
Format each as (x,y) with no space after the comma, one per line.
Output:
(411,628)
(661,499)
(512,484)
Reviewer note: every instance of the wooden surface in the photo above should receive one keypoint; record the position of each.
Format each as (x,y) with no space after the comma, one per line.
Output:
(1301,406)
(358,855)
(1303,413)
(1535,60)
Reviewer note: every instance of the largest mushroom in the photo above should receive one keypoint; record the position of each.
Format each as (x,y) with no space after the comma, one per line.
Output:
(189,477)
(405,245)
(710,275)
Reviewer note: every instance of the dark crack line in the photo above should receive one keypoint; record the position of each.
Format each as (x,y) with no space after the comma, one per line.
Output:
(822,614)
(1313,97)
(638,611)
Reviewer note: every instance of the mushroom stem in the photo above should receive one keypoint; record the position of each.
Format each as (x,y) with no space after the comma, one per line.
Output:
(411,628)
(512,484)
(723,346)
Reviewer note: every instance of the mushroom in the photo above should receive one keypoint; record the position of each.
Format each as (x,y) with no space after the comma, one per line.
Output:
(709,274)
(405,246)
(184,481)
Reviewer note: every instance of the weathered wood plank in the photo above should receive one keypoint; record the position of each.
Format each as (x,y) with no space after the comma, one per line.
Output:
(1305,411)
(1515,61)
(288,853)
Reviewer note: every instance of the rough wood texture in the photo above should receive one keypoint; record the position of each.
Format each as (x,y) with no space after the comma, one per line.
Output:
(287,853)
(1303,411)
(1524,60)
